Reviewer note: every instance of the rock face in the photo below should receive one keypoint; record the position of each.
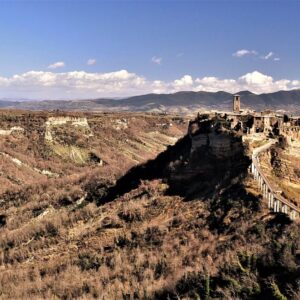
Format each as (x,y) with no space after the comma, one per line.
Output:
(282,168)
(219,143)
(12,130)
(120,124)
(292,138)
(207,159)
(67,120)
(217,154)
(216,136)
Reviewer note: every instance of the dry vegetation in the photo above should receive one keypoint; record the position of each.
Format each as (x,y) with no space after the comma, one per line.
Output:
(67,237)
(119,149)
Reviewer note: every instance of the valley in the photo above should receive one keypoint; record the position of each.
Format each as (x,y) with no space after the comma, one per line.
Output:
(158,206)
(48,146)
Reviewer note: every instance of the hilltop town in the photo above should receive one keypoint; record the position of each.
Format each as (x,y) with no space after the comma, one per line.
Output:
(224,133)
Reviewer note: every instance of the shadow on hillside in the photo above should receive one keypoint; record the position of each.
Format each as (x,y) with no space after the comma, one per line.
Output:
(153,169)
(190,176)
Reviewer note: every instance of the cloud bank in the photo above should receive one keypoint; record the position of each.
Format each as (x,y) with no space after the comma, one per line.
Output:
(83,85)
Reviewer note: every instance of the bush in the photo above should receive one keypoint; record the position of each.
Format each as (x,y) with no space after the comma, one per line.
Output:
(161,269)
(2,220)
(87,261)
(51,230)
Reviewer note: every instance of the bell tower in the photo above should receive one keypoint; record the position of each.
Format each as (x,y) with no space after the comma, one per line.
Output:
(236,103)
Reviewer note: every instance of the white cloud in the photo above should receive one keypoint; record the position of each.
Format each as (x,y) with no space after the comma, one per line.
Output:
(268,56)
(244,52)
(184,83)
(81,84)
(58,64)
(256,78)
(76,84)
(260,83)
(214,84)
(295,83)
(91,61)
(156,60)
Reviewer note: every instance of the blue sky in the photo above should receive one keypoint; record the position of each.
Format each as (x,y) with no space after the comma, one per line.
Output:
(156,42)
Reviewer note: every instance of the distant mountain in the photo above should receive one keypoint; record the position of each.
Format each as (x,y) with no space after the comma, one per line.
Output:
(8,103)
(181,102)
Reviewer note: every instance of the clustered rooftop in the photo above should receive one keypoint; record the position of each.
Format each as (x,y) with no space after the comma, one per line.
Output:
(264,121)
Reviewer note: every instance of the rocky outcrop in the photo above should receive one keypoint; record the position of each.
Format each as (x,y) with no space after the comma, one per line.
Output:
(208,158)
(67,120)
(12,130)
(217,155)
(291,136)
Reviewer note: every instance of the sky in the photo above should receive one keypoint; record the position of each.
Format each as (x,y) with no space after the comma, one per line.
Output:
(93,49)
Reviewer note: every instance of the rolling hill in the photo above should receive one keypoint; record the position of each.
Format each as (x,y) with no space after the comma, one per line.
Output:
(180,102)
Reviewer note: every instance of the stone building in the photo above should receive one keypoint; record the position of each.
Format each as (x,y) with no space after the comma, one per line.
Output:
(242,121)
(262,121)
(237,103)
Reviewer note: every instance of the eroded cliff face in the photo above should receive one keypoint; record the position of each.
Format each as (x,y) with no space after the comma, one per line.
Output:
(291,135)
(217,154)
(282,167)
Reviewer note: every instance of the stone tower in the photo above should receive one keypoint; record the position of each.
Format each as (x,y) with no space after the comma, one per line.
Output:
(236,103)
